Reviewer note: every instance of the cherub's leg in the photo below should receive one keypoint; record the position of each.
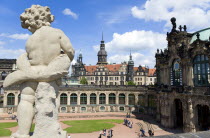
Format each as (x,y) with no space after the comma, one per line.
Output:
(25,109)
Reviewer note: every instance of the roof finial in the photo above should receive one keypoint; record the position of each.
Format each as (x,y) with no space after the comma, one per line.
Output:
(130,55)
(102,41)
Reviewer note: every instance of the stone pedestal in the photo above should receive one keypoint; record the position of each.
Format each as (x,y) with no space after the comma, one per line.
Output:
(46,112)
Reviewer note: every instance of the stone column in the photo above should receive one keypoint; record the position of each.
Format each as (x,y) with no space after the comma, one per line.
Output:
(126,99)
(97,98)
(117,98)
(136,99)
(88,98)
(16,98)
(68,98)
(78,99)
(5,99)
(107,99)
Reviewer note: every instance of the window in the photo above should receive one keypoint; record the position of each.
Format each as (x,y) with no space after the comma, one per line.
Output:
(151,101)
(176,73)
(140,79)
(92,98)
(102,98)
(131,99)
(73,98)
(201,70)
(121,98)
(122,108)
(10,99)
(110,78)
(19,98)
(150,79)
(83,98)
(141,100)
(112,98)
(63,99)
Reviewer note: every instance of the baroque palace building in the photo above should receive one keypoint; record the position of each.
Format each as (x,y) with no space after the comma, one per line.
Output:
(112,74)
(180,99)
(183,78)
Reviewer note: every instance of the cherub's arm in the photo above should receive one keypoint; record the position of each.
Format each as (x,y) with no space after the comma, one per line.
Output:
(66,46)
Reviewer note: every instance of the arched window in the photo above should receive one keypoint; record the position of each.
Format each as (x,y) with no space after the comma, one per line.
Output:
(19,97)
(201,70)
(3,75)
(102,98)
(112,98)
(131,99)
(176,73)
(121,98)
(92,98)
(152,101)
(73,98)
(141,100)
(63,99)
(10,99)
(83,98)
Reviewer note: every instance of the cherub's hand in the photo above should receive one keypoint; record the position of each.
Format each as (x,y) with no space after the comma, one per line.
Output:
(23,62)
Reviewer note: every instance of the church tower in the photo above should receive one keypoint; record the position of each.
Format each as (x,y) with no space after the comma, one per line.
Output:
(102,54)
(130,71)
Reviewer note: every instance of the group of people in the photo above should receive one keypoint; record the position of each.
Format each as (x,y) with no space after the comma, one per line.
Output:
(150,132)
(128,123)
(103,133)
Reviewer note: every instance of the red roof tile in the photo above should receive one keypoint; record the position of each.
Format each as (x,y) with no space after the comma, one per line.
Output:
(151,72)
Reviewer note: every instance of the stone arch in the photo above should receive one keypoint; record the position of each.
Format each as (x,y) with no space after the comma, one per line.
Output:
(93,98)
(73,99)
(112,98)
(102,98)
(10,99)
(63,99)
(131,99)
(178,113)
(83,98)
(202,117)
(121,97)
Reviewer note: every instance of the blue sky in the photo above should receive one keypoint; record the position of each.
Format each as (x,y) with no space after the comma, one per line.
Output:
(136,25)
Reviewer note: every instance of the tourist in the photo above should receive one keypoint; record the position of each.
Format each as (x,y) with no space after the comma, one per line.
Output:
(100,134)
(104,132)
(131,124)
(142,132)
(69,136)
(111,133)
(150,133)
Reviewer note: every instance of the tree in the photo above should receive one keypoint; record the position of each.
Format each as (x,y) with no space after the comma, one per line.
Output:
(83,81)
(130,83)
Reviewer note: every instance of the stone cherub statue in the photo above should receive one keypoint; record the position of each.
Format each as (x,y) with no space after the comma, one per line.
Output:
(48,56)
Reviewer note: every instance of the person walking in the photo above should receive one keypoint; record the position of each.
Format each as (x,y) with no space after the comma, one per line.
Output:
(142,132)
(69,136)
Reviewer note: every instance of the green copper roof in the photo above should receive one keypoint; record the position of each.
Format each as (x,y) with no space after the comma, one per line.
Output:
(204,35)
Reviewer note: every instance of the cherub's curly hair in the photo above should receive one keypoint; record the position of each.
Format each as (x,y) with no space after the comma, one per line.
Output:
(36,17)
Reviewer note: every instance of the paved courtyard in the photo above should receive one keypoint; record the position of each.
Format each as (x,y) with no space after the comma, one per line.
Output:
(119,131)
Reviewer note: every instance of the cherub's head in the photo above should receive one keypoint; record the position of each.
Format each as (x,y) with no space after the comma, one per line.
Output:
(35,17)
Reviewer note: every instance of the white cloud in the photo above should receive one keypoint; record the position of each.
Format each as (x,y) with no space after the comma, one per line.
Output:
(10,53)
(143,45)
(19,36)
(69,12)
(115,16)
(135,40)
(193,13)
(16,36)
(1,42)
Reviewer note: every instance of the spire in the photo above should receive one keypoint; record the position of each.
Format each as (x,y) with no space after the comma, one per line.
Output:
(130,55)
(102,40)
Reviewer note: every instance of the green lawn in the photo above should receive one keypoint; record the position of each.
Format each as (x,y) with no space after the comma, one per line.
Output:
(87,126)
(4,131)
(7,132)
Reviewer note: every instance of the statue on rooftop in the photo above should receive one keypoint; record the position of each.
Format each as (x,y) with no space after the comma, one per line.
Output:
(48,56)
(173,22)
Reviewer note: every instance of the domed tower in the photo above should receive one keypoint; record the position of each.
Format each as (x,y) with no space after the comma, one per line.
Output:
(130,72)
(102,54)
